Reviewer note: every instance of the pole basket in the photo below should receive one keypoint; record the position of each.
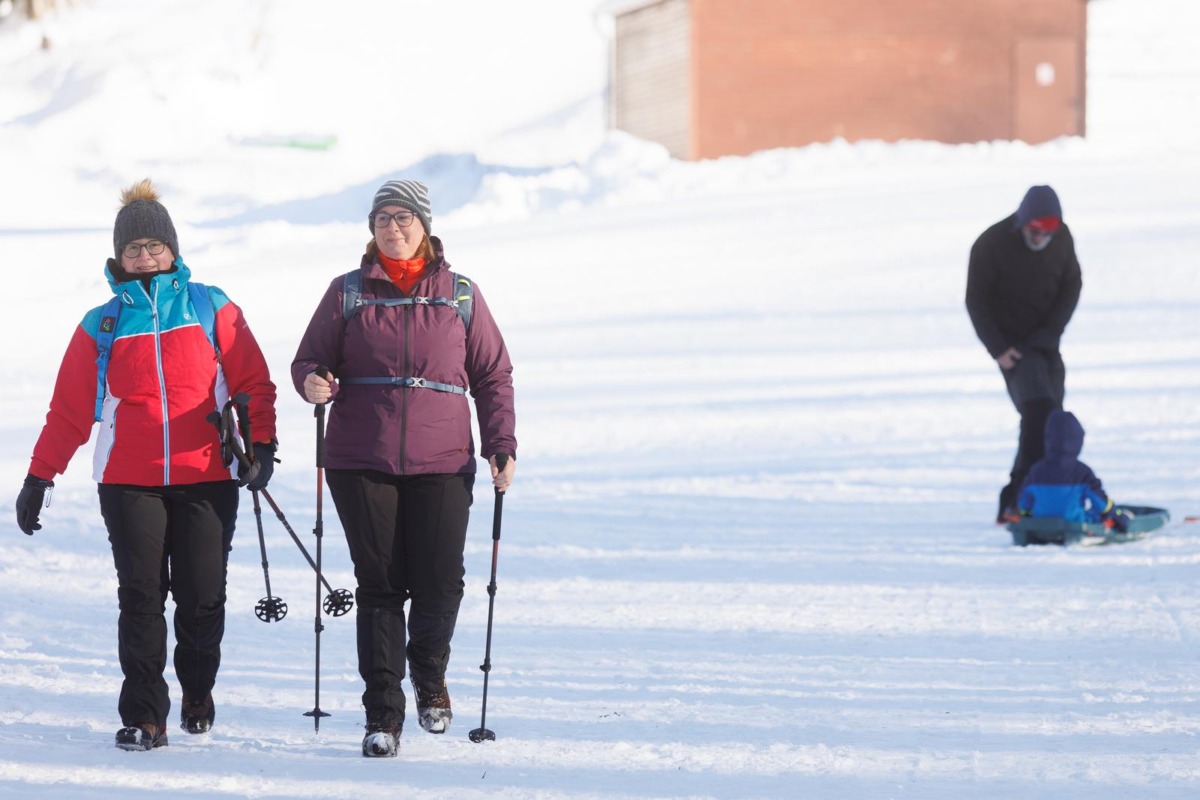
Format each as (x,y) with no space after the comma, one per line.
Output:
(338,602)
(271,609)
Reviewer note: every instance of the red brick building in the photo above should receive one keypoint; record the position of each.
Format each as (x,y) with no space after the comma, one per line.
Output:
(708,78)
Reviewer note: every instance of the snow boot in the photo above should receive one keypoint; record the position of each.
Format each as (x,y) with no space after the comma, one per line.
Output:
(1007,511)
(433,709)
(197,716)
(381,741)
(145,736)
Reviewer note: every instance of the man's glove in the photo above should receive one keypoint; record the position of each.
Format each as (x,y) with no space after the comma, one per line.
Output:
(29,503)
(256,476)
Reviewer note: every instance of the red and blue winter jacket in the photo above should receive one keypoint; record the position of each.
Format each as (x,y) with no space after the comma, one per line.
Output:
(1060,485)
(164,379)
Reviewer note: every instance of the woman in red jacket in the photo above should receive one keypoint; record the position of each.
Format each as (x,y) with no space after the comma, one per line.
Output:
(168,500)
(404,340)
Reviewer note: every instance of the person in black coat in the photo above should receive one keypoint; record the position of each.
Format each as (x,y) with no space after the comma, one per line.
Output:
(1023,283)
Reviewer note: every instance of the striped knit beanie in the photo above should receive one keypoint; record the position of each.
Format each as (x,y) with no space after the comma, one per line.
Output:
(143,217)
(412,195)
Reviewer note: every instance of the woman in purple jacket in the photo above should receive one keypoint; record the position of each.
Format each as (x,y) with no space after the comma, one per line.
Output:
(403,340)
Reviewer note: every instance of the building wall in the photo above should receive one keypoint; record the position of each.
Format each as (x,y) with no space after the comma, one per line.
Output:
(651,74)
(778,73)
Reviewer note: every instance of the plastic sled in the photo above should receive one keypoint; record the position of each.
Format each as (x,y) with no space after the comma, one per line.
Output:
(1048,530)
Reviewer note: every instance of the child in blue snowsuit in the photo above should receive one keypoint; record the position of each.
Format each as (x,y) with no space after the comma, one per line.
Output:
(1062,486)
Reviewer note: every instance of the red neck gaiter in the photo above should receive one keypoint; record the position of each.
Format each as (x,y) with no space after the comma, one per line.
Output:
(405,273)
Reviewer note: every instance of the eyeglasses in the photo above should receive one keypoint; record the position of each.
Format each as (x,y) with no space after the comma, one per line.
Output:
(133,249)
(403,219)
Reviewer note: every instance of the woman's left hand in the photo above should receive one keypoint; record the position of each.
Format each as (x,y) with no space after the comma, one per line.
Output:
(502,478)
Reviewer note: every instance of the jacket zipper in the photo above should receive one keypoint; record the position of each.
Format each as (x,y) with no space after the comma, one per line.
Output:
(404,393)
(162,384)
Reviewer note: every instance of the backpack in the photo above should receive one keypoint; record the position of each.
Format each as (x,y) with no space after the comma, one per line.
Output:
(107,330)
(461,302)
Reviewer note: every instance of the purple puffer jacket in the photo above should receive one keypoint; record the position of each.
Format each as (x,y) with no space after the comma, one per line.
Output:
(409,430)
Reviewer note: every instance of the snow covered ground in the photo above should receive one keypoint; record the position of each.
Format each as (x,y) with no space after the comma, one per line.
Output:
(749,551)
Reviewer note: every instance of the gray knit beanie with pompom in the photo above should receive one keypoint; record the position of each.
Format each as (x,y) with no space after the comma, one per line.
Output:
(143,217)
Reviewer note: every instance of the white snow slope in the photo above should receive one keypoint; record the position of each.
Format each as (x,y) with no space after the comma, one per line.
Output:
(749,551)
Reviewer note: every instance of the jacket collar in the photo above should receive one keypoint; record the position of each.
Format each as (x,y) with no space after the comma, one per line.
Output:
(373,270)
(121,283)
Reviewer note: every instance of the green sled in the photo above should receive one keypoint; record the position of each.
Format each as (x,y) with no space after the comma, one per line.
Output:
(1048,530)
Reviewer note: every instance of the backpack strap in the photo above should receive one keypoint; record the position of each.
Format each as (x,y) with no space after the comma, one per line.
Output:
(351,293)
(464,296)
(104,339)
(461,301)
(408,383)
(203,306)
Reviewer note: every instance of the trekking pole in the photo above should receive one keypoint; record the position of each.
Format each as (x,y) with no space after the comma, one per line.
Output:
(338,601)
(319,413)
(482,734)
(270,608)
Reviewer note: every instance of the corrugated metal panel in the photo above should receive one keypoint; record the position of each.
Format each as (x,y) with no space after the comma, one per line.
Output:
(651,74)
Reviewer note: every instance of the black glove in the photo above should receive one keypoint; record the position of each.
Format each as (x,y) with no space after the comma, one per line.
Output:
(256,476)
(29,503)
(1121,517)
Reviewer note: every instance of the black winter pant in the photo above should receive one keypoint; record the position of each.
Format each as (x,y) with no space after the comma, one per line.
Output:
(1037,386)
(406,536)
(176,539)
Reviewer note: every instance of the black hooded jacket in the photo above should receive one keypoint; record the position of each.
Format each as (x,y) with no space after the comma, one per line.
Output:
(1017,297)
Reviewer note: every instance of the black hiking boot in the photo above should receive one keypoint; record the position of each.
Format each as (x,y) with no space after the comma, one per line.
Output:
(197,716)
(433,709)
(381,741)
(1007,509)
(145,736)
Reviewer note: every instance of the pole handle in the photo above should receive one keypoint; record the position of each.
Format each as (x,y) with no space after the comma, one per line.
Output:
(501,463)
(241,402)
(319,412)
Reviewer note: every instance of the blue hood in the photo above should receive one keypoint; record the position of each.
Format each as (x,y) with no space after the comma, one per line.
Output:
(1064,435)
(1039,201)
